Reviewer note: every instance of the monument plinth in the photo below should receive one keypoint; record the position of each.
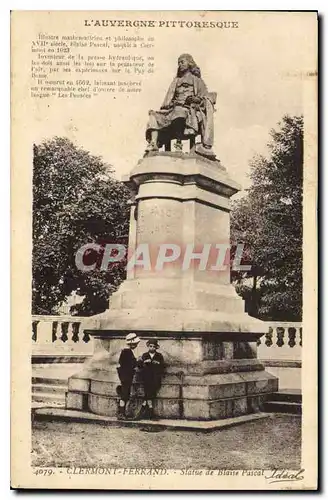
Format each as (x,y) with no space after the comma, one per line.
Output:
(178,290)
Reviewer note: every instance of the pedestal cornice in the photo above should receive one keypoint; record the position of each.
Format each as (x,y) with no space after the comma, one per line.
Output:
(183,170)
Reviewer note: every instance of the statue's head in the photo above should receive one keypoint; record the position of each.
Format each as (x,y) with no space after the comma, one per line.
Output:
(186,62)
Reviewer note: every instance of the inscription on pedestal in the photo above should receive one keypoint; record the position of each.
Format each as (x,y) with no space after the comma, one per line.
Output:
(159,221)
(212,349)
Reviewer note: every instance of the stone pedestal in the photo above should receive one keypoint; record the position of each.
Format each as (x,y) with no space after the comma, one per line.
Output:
(208,342)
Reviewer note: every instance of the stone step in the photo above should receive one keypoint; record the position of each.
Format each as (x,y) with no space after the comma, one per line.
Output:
(49,388)
(50,381)
(53,414)
(283,407)
(288,395)
(49,398)
(54,371)
(47,404)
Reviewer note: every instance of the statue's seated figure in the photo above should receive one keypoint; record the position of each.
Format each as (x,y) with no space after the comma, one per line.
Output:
(187,111)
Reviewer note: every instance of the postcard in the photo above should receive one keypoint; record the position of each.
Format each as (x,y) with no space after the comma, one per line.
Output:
(164,250)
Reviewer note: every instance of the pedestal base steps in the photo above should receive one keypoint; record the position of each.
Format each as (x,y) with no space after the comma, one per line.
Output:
(172,408)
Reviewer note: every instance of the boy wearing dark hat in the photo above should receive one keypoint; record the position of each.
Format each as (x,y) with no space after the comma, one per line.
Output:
(151,365)
(126,369)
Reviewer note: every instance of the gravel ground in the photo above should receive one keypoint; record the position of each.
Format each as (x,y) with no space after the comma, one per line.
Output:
(274,442)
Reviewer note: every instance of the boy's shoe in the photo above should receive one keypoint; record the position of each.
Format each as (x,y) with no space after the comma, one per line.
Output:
(152,146)
(178,146)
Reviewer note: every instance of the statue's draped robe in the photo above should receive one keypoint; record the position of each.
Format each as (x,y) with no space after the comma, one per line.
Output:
(198,117)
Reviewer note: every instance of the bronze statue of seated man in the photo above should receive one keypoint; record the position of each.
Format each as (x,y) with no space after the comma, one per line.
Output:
(187,111)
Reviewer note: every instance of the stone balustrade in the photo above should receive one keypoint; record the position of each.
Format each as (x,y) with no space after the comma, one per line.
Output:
(59,336)
(283,341)
(280,350)
(63,335)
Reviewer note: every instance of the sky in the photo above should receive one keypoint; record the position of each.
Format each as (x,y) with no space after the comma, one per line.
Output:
(257,70)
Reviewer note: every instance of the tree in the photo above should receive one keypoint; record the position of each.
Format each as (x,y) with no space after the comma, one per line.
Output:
(268,220)
(75,201)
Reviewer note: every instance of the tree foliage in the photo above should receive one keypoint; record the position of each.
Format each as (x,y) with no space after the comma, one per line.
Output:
(268,220)
(75,201)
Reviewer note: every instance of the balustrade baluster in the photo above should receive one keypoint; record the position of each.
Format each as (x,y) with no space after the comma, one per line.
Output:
(64,330)
(268,337)
(280,336)
(291,336)
(54,330)
(76,329)
(86,337)
(34,330)
(70,333)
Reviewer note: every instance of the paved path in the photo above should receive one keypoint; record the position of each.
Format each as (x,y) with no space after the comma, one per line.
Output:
(274,442)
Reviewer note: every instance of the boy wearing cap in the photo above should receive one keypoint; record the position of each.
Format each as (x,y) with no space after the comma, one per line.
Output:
(151,365)
(126,369)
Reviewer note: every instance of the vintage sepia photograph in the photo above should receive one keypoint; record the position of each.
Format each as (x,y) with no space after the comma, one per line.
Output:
(164,191)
